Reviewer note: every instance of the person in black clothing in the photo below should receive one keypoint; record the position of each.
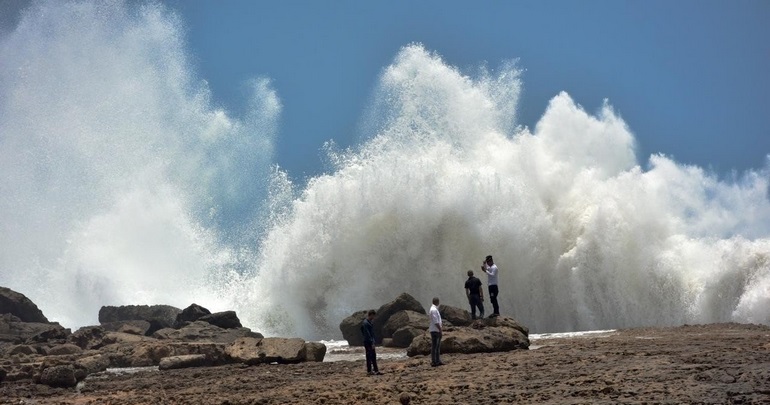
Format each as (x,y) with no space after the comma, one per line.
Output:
(367,328)
(475,294)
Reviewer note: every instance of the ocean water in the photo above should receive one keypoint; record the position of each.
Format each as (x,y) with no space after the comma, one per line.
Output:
(121,182)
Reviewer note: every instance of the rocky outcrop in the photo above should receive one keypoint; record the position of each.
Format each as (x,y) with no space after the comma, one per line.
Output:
(225,320)
(18,305)
(189,315)
(403,319)
(483,336)
(351,326)
(456,316)
(14,330)
(403,302)
(204,331)
(50,354)
(159,316)
(404,336)
(267,350)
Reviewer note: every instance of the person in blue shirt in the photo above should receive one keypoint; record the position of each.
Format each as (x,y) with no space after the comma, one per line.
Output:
(367,328)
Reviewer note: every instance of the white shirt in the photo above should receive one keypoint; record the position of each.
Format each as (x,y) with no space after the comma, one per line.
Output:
(492,273)
(435,319)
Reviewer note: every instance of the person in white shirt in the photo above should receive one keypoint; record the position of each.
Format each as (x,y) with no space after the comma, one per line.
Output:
(489,267)
(435,334)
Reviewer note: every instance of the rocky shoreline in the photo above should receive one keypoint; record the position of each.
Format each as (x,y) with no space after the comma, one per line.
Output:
(192,356)
(711,364)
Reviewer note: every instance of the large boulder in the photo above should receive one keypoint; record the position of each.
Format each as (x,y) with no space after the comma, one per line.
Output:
(457,316)
(351,328)
(403,319)
(200,331)
(404,336)
(315,351)
(17,304)
(14,330)
(403,302)
(503,322)
(64,350)
(267,350)
(478,338)
(159,316)
(59,376)
(190,314)
(226,319)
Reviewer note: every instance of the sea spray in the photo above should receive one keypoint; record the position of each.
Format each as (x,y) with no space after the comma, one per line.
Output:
(121,183)
(584,237)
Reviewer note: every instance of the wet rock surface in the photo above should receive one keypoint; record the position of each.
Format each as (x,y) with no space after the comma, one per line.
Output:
(713,364)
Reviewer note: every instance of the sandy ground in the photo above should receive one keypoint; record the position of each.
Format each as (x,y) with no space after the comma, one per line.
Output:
(713,364)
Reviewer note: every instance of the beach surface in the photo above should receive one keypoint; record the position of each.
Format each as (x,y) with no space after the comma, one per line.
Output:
(712,364)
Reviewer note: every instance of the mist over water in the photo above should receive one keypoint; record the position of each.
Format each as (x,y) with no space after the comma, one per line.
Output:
(122,183)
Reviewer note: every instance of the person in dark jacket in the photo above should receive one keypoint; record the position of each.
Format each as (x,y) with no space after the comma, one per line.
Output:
(367,328)
(475,294)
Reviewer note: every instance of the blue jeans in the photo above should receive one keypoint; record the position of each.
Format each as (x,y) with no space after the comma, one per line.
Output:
(475,301)
(435,348)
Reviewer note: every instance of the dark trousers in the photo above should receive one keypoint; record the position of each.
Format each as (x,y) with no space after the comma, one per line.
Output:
(493,299)
(475,301)
(371,357)
(435,348)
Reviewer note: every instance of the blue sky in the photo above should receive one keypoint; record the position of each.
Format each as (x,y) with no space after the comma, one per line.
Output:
(689,77)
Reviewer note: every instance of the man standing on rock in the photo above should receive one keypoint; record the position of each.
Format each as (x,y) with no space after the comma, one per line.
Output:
(435,334)
(489,267)
(475,294)
(367,329)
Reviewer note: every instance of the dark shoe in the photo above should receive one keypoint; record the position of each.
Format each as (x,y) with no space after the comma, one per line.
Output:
(370,373)
(377,373)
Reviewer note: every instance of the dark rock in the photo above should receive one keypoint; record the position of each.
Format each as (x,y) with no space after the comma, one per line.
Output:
(14,330)
(159,316)
(388,342)
(315,351)
(403,302)
(88,337)
(183,361)
(351,328)
(64,349)
(190,314)
(403,319)
(137,327)
(404,336)
(457,316)
(226,319)
(55,334)
(3,373)
(200,331)
(59,376)
(14,303)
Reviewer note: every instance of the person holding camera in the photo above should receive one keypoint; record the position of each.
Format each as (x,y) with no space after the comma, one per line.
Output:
(489,267)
